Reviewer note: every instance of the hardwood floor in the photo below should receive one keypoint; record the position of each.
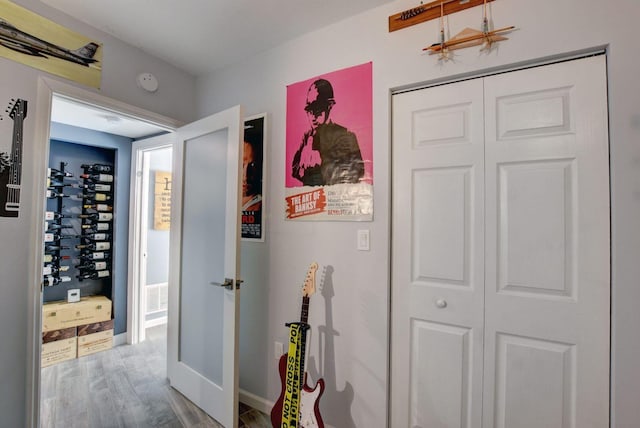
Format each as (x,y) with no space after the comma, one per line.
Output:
(124,387)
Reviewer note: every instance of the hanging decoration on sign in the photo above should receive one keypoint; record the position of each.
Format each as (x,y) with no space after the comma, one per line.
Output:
(467,37)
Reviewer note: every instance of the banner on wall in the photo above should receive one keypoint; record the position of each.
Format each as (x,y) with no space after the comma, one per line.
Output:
(33,40)
(252,225)
(329,147)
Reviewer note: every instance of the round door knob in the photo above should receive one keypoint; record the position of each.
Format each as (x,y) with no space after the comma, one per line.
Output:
(441,303)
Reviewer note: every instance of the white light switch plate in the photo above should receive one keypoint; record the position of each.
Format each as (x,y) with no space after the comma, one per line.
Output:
(363,240)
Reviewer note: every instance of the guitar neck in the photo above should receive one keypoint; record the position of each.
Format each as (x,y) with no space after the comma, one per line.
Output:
(304,317)
(15,170)
(304,312)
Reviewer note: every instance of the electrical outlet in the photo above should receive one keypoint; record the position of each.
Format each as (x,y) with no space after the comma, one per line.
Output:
(278,350)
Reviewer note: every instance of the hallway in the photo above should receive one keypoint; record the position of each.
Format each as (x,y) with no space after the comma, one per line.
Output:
(125,386)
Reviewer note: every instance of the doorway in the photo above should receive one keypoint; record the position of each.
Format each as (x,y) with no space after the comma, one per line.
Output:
(501,251)
(111,112)
(149,230)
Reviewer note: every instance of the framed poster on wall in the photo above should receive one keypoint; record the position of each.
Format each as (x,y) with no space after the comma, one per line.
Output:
(329,148)
(37,42)
(253,172)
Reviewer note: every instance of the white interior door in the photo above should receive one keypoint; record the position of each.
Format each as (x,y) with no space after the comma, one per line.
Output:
(547,247)
(438,263)
(205,232)
(500,286)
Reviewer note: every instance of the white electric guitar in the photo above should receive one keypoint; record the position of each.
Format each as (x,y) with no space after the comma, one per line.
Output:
(309,397)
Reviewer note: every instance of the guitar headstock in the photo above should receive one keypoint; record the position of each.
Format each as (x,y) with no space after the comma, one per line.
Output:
(309,286)
(17,108)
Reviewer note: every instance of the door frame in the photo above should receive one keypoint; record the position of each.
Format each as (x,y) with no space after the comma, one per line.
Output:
(138,213)
(536,62)
(46,89)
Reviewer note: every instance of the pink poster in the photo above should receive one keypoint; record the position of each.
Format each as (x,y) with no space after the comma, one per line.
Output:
(329,156)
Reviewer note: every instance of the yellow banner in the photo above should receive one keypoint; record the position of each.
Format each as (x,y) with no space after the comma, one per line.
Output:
(291,403)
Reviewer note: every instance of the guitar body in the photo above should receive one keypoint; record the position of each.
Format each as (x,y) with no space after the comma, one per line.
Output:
(4,193)
(310,405)
(309,401)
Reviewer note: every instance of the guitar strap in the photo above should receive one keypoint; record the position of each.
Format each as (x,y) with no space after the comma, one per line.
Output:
(291,403)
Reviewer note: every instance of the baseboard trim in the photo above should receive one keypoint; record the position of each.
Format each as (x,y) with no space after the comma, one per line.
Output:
(155,322)
(256,402)
(120,339)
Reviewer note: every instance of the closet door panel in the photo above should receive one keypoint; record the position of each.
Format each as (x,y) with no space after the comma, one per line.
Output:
(438,279)
(547,247)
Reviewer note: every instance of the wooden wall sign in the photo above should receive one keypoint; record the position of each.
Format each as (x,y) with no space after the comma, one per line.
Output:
(162,201)
(429,11)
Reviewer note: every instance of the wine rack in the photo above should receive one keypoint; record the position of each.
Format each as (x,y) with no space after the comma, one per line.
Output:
(96,239)
(56,231)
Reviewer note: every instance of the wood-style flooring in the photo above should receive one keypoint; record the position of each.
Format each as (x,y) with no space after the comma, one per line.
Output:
(124,387)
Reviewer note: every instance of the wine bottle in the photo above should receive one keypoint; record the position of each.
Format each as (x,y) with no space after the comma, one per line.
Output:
(50,248)
(56,184)
(53,227)
(52,280)
(100,236)
(94,275)
(96,227)
(94,246)
(99,187)
(97,255)
(95,197)
(53,194)
(93,266)
(52,258)
(98,207)
(55,237)
(97,216)
(52,215)
(53,270)
(103,178)
(96,167)
(56,173)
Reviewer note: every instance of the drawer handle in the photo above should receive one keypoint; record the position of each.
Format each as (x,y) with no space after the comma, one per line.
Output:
(52,314)
(99,307)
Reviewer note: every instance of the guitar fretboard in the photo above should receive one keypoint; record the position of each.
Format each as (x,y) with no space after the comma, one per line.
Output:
(304,312)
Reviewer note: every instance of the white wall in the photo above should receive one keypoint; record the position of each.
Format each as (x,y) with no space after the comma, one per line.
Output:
(121,64)
(360,279)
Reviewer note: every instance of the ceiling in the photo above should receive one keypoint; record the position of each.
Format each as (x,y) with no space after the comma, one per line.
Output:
(82,115)
(201,36)
(198,36)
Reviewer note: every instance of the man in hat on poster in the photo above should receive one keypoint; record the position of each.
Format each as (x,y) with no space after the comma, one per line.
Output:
(329,153)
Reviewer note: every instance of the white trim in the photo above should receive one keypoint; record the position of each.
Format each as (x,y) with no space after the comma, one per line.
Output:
(137,235)
(120,339)
(46,88)
(256,402)
(156,322)
(538,62)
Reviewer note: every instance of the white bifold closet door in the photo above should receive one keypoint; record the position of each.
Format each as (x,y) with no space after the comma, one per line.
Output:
(501,253)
